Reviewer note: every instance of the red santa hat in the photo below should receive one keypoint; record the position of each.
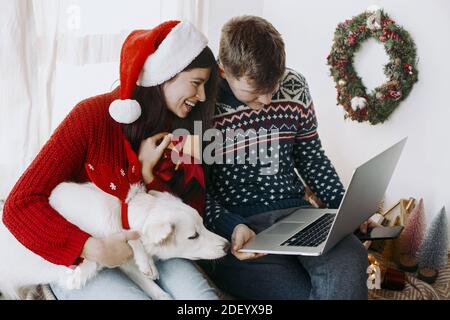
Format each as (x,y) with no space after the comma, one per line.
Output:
(151,57)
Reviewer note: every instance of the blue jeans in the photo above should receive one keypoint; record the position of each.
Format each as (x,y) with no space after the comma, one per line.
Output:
(338,274)
(178,277)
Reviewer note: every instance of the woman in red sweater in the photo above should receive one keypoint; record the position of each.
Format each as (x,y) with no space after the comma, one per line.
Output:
(168,80)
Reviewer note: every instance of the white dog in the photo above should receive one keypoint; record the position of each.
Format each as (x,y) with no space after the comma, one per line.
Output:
(168,227)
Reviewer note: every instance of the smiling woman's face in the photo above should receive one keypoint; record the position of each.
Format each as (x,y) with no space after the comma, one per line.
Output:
(185,90)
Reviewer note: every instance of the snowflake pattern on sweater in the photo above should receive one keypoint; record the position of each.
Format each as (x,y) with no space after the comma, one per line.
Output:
(238,188)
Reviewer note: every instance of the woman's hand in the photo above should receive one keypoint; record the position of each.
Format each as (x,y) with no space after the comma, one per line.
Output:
(111,251)
(241,235)
(150,152)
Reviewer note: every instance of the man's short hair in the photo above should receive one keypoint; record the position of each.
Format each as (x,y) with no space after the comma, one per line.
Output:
(250,46)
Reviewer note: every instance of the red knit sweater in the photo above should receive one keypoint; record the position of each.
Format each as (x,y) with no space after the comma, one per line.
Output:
(87,135)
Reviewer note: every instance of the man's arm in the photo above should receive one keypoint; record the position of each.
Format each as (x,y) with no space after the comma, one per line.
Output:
(318,172)
(231,226)
(219,220)
(310,158)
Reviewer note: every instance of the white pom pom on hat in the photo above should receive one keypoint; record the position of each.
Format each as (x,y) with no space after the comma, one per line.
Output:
(151,57)
(125,111)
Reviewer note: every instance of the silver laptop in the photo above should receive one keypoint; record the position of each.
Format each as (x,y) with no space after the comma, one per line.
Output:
(313,232)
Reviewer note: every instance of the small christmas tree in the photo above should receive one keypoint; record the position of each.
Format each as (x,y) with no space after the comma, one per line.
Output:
(411,238)
(433,252)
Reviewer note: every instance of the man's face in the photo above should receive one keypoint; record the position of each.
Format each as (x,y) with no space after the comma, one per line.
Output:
(244,90)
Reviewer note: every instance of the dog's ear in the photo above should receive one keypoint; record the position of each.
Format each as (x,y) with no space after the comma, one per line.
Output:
(159,232)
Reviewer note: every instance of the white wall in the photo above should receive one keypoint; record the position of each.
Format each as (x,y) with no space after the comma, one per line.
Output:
(308,27)
(219,11)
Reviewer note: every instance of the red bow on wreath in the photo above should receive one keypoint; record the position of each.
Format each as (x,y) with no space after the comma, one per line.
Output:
(116,181)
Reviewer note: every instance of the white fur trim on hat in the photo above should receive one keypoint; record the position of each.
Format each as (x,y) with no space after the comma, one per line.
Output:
(180,47)
(125,111)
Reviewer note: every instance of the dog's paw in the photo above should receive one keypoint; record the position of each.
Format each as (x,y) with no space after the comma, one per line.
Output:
(148,268)
(74,279)
(150,271)
(77,278)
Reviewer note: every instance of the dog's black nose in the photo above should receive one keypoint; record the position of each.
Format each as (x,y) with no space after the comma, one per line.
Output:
(226,246)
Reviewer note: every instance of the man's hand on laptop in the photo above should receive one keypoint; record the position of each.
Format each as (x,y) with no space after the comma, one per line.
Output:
(241,235)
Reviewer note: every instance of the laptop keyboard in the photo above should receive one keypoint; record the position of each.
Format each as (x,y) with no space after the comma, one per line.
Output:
(312,235)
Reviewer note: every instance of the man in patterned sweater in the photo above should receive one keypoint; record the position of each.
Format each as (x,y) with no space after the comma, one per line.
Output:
(258,94)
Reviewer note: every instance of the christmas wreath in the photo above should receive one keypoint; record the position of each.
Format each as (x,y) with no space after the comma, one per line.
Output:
(401,69)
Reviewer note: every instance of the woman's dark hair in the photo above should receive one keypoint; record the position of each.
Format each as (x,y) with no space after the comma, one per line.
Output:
(156,117)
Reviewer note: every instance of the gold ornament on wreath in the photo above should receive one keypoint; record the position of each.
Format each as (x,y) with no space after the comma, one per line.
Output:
(401,70)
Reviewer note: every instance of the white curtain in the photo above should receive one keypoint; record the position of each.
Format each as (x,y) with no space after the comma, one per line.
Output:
(18,64)
(56,53)
(196,11)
